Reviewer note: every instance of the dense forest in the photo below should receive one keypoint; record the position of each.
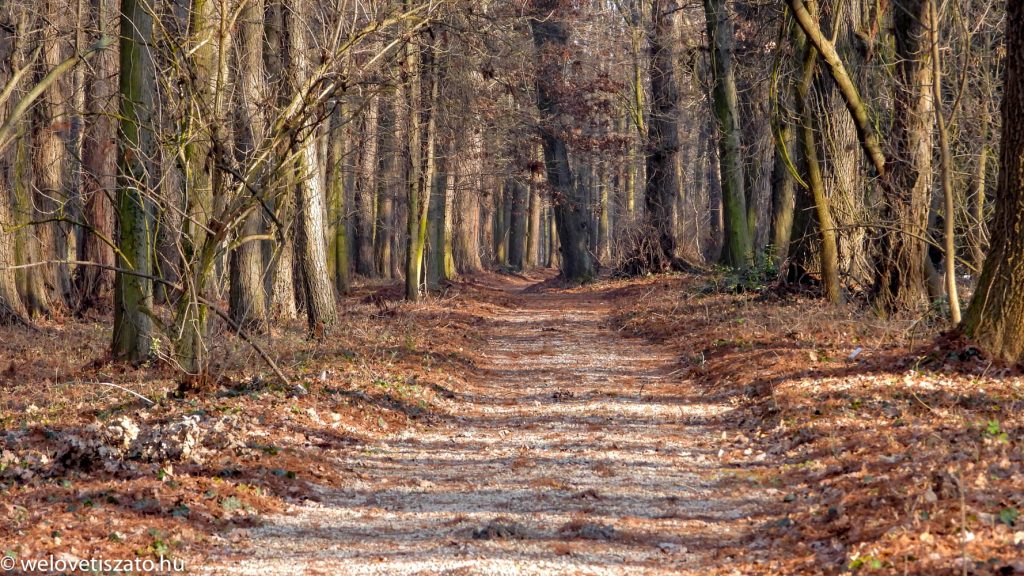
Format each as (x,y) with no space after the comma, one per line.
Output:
(272,208)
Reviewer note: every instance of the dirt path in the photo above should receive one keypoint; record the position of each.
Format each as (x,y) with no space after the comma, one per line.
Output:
(577,451)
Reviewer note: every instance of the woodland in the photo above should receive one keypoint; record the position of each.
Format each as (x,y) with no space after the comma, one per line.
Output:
(512,286)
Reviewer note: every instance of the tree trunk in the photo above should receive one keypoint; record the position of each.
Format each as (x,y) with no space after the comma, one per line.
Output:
(783,193)
(993,319)
(533,243)
(829,251)
(551,36)
(946,165)
(738,248)
(310,236)
(367,191)
(336,182)
(50,194)
(518,225)
(95,285)
(133,293)
(900,270)
(205,184)
(247,298)
(662,138)
(466,219)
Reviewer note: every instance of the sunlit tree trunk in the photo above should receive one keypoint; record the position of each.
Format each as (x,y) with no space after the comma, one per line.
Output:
(247,298)
(533,241)
(466,219)
(419,158)
(49,190)
(336,180)
(310,237)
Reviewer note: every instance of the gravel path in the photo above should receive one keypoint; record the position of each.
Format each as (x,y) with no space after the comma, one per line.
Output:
(577,451)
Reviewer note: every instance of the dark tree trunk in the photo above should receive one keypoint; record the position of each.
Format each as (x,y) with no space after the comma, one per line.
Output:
(662,145)
(551,36)
(133,293)
(900,279)
(519,200)
(993,319)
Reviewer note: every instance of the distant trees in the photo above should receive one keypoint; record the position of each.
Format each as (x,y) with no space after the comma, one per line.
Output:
(230,164)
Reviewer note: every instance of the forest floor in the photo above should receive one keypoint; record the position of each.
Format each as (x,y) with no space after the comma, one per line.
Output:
(662,425)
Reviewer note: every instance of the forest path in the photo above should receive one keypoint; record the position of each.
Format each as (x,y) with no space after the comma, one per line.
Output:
(577,450)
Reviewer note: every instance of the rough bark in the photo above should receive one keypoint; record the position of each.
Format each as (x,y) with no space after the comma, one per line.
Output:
(518,224)
(995,317)
(661,148)
(367,190)
(551,36)
(828,253)
(247,298)
(336,182)
(466,237)
(900,278)
(94,285)
(310,237)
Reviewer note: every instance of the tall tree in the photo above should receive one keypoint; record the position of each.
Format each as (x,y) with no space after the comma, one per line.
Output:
(900,281)
(247,297)
(551,38)
(133,289)
(95,284)
(367,189)
(310,234)
(738,250)
(662,136)
(994,317)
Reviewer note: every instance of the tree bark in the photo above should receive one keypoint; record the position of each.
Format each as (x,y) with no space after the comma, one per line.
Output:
(247,298)
(900,279)
(93,284)
(993,319)
(738,249)
(310,234)
(366,191)
(661,146)
(551,37)
(829,251)
(518,224)
(133,295)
